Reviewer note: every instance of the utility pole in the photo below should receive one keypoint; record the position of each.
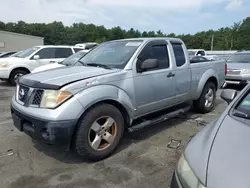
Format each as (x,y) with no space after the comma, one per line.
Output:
(212,43)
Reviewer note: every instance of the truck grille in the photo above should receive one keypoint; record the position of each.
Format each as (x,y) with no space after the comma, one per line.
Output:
(29,96)
(233,71)
(37,97)
(22,93)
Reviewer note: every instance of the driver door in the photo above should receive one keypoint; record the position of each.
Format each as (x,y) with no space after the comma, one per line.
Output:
(46,55)
(154,89)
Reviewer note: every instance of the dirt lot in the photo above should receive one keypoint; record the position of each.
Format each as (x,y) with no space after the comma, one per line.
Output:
(143,160)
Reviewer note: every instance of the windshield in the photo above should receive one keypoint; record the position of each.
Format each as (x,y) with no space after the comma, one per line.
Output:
(16,54)
(115,54)
(27,52)
(71,60)
(240,57)
(191,53)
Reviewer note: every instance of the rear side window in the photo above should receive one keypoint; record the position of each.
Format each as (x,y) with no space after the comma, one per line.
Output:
(158,52)
(46,53)
(77,49)
(63,52)
(202,53)
(179,54)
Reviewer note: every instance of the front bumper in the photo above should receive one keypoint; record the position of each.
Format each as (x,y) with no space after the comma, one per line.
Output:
(4,74)
(57,133)
(175,183)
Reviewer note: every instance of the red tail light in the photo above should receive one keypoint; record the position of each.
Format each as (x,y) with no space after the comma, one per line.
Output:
(225,69)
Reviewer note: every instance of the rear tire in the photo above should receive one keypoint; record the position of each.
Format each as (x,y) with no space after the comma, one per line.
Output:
(103,122)
(206,101)
(15,75)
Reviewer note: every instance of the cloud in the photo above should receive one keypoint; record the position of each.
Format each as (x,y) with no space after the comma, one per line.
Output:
(166,15)
(234,5)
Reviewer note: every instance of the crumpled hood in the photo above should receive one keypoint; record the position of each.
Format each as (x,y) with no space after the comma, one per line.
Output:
(57,78)
(229,162)
(238,65)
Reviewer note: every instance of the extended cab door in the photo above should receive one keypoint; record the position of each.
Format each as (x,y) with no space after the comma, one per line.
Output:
(154,89)
(182,71)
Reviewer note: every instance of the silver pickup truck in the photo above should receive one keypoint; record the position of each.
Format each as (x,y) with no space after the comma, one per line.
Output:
(121,84)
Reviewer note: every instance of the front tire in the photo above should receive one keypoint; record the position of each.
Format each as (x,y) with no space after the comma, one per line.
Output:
(206,101)
(99,132)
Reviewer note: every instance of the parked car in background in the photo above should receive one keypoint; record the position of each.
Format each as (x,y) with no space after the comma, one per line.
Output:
(198,59)
(123,84)
(218,156)
(88,45)
(6,54)
(16,54)
(13,68)
(238,68)
(199,52)
(69,61)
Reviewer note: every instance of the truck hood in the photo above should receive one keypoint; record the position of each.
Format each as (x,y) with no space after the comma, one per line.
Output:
(57,78)
(47,67)
(238,65)
(229,161)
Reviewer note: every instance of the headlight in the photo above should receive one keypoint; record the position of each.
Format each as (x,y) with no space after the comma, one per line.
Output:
(186,176)
(53,98)
(4,64)
(245,71)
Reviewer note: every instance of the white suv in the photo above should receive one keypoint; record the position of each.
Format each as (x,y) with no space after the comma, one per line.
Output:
(14,67)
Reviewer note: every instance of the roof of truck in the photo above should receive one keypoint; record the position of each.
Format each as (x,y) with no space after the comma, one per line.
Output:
(152,38)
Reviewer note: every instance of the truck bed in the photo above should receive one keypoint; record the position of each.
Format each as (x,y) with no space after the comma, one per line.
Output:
(202,69)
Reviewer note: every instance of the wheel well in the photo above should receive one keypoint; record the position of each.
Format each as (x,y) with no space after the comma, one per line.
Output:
(116,104)
(20,68)
(214,81)
(119,106)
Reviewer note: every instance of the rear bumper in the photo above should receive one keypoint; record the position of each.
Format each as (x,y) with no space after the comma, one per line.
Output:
(57,133)
(237,79)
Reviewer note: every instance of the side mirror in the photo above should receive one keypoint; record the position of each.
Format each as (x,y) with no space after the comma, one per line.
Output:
(36,57)
(149,64)
(228,95)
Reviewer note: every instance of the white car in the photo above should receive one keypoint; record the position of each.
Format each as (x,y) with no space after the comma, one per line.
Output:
(12,68)
(87,45)
(70,61)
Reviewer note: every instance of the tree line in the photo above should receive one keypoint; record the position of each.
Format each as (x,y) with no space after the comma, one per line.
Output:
(236,37)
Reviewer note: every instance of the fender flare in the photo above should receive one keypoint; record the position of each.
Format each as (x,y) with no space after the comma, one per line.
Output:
(210,74)
(97,94)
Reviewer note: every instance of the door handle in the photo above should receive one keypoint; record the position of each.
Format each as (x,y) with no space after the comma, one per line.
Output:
(52,61)
(170,75)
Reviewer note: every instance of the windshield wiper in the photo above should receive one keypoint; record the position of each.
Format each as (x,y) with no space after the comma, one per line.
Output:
(240,114)
(97,65)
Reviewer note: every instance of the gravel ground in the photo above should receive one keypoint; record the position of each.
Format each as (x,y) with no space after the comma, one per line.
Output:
(142,161)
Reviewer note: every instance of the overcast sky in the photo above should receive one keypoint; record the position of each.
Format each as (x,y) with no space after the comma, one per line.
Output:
(177,16)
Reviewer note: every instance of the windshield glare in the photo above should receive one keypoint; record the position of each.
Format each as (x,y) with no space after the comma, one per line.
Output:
(27,52)
(115,54)
(71,60)
(241,58)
